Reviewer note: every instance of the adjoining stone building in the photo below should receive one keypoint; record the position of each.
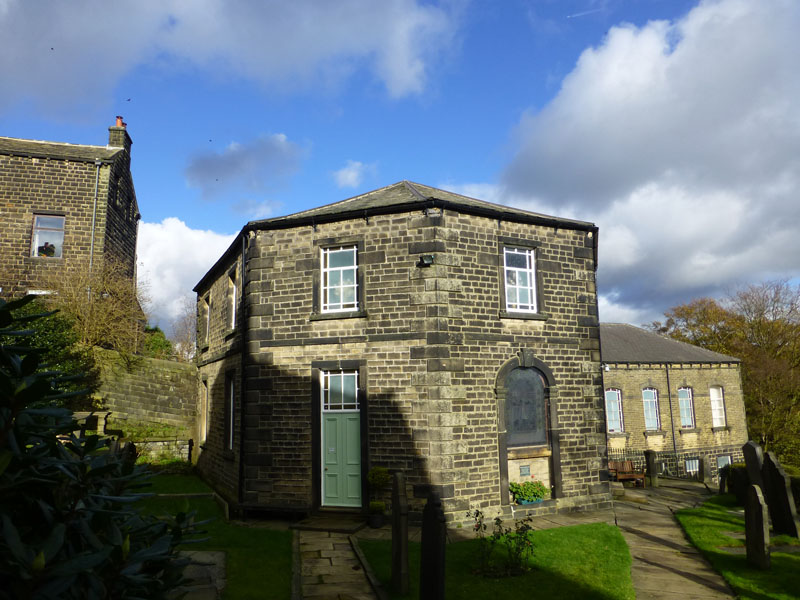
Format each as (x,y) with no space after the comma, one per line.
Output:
(412,328)
(680,400)
(64,206)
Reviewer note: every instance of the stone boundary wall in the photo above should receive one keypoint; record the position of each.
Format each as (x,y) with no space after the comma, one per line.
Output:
(152,390)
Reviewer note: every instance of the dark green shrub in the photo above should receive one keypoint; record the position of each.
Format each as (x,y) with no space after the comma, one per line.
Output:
(68,526)
(54,335)
(156,344)
(738,482)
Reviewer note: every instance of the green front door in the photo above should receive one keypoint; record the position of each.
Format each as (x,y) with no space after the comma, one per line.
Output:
(341,458)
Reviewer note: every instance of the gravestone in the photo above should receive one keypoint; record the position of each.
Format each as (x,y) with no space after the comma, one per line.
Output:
(400,571)
(756,528)
(778,491)
(651,467)
(754,459)
(434,536)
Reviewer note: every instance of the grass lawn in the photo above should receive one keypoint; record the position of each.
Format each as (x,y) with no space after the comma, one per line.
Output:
(706,527)
(175,483)
(259,560)
(585,561)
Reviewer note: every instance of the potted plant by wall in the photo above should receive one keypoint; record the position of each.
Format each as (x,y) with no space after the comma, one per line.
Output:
(528,492)
(378,479)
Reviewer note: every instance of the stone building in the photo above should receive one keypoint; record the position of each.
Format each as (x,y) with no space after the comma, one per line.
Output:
(412,328)
(680,400)
(63,206)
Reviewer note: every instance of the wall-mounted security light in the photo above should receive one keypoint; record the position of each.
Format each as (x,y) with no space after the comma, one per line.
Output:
(426,260)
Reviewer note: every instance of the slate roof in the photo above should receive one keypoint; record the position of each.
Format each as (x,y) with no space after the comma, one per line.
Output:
(57,150)
(407,195)
(623,343)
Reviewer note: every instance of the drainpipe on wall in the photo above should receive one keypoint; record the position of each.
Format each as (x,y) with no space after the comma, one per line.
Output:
(671,420)
(97,164)
(242,318)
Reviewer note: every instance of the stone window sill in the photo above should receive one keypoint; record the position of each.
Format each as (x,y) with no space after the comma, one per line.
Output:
(618,434)
(655,433)
(723,428)
(355,314)
(203,348)
(231,333)
(688,430)
(504,314)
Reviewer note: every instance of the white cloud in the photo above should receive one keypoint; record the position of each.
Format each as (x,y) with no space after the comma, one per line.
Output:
(172,259)
(681,141)
(352,174)
(83,49)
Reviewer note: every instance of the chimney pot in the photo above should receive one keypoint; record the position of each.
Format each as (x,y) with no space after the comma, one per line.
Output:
(120,122)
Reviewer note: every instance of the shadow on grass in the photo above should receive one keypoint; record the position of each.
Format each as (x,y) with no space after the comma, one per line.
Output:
(705,527)
(584,561)
(258,560)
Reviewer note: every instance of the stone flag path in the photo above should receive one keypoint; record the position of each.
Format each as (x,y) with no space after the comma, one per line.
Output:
(665,565)
(329,568)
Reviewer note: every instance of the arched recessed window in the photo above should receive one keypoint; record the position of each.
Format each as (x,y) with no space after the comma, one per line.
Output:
(526,410)
(614,411)
(717,406)
(686,404)
(652,418)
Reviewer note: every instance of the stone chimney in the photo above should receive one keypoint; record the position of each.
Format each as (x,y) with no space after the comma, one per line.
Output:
(118,135)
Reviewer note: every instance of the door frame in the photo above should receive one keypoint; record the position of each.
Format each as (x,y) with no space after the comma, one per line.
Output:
(316,427)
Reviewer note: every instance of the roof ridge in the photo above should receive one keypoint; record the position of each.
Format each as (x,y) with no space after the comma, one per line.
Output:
(412,187)
(5,137)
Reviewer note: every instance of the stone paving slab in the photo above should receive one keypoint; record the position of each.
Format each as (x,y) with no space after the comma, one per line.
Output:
(329,568)
(205,576)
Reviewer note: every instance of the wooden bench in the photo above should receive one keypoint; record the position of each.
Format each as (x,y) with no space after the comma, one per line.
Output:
(620,470)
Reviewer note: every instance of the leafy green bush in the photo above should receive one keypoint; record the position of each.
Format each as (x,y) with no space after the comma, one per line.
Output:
(53,333)
(529,491)
(68,527)
(156,344)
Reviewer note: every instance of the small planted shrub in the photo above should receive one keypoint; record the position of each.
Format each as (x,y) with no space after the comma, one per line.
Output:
(506,551)
(378,479)
(528,491)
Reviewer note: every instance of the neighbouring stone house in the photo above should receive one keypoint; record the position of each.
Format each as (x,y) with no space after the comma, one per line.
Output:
(63,206)
(449,338)
(680,400)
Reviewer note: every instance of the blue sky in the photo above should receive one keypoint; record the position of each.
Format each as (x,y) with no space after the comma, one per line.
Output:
(673,125)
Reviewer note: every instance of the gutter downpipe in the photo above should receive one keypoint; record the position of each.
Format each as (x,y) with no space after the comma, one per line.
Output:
(242,318)
(671,419)
(97,164)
